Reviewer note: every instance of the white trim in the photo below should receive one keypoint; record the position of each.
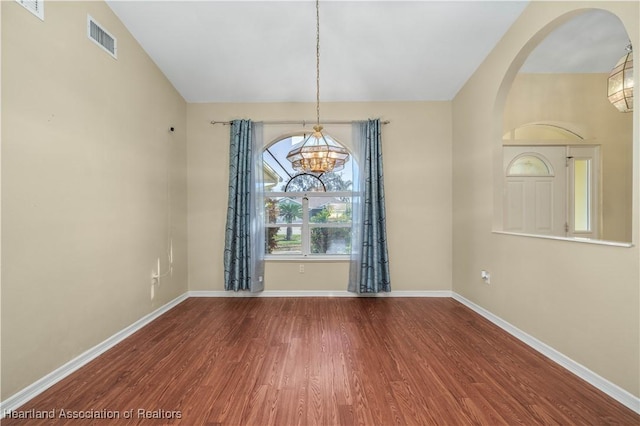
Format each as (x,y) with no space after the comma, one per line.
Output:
(614,391)
(569,239)
(602,384)
(316,293)
(302,194)
(39,386)
(310,258)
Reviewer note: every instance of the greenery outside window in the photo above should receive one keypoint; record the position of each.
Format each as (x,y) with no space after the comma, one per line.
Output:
(306,215)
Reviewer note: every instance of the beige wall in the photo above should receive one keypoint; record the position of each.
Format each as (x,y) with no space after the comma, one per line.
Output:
(581,299)
(577,101)
(417,166)
(87,160)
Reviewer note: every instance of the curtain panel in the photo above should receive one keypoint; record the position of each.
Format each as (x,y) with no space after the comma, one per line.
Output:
(244,234)
(369,266)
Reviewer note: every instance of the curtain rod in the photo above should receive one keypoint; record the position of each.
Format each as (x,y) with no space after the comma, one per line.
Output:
(303,122)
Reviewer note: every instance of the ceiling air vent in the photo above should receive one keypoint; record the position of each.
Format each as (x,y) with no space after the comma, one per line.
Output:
(34,6)
(101,37)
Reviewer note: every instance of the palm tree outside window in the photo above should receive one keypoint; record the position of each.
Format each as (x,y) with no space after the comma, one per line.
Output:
(306,214)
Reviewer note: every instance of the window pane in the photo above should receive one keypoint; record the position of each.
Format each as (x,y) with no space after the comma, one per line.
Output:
(297,205)
(283,210)
(330,240)
(278,171)
(329,209)
(305,183)
(582,203)
(529,165)
(284,240)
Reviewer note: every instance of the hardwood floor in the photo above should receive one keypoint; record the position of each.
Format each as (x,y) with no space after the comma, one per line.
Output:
(323,361)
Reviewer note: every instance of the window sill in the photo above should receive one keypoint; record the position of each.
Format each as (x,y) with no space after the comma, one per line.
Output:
(573,240)
(298,259)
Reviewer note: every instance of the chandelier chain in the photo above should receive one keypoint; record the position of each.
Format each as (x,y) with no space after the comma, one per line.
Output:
(315,154)
(318,62)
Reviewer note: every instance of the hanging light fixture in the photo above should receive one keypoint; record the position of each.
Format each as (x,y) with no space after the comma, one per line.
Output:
(318,153)
(620,91)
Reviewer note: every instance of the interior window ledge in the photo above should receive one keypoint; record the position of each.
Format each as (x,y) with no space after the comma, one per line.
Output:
(573,240)
(298,259)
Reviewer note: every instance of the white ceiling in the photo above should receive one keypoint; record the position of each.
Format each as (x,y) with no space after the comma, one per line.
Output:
(592,42)
(264,51)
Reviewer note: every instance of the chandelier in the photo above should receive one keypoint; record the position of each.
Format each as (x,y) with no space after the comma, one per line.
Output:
(620,90)
(318,153)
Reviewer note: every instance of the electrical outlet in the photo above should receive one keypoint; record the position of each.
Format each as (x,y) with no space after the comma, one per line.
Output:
(301,269)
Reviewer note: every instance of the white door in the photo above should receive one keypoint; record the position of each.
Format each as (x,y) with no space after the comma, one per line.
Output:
(535,191)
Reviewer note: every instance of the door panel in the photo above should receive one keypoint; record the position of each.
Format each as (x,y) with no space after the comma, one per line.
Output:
(515,206)
(544,207)
(536,196)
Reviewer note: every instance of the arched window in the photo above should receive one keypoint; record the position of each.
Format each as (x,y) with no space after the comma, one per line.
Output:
(306,214)
(529,164)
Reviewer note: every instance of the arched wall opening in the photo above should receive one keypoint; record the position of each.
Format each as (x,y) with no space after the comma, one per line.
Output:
(575,101)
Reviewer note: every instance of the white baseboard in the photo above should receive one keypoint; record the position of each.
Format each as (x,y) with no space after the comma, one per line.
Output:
(614,391)
(36,388)
(317,293)
(31,391)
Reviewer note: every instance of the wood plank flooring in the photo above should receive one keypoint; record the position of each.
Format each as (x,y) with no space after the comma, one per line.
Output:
(323,361)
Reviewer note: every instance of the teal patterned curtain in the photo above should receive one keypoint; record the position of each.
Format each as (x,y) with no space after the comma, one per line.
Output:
(244,235)
(369,268)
